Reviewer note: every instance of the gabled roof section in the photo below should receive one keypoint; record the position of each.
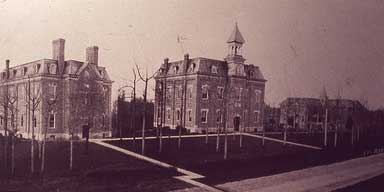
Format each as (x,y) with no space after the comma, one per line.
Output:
(236,36)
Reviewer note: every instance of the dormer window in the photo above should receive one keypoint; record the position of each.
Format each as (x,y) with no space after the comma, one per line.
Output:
(251,73)
(176,69)
(192,67)
(214,69)
(14,72)
(25,70)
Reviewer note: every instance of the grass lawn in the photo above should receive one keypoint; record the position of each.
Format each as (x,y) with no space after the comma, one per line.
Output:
(101,169)
(252,160)
(343,140)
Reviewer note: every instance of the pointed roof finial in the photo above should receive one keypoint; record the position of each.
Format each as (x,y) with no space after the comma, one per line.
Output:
(236,36)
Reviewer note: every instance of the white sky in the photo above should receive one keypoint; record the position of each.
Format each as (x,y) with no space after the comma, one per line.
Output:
(301,46)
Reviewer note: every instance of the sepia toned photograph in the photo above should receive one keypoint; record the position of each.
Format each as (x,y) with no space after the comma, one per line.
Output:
(191,96)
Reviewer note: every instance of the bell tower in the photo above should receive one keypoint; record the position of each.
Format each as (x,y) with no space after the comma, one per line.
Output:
(234,58)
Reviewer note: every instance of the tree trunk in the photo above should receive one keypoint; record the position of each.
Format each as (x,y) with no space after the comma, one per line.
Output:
(263,140)
(71,153)
(240,137)
(335,139)
(13,156)
(144,119)
(285,134)
(218,139)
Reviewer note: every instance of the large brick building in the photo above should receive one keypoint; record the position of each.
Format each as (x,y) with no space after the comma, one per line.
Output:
(309,113)
(196,93)
(66,95)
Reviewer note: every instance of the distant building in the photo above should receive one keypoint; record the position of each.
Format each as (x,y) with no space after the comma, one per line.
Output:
(80,91)
(309,113)
(195,93)
(128,117)
(271,118)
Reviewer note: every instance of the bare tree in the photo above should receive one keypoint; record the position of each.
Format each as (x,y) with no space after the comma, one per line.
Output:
(34,99)
(133,103)
(145,79)
(50,99)
(9,101)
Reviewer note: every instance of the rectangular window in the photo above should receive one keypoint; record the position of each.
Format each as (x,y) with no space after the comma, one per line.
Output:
(178,115)
(204,115)
(220,92)
(204,90)
(51,120)
(219,116)
(240,90)
(22,121)
(34,122)
(169,114)
(190,92)
(189,115)
(257,96)
(52,90)
(257,113)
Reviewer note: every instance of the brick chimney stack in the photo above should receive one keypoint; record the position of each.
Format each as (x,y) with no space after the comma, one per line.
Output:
(92,55)
(58,47)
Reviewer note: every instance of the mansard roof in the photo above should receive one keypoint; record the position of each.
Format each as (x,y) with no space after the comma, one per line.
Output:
(205,66)
(42,67)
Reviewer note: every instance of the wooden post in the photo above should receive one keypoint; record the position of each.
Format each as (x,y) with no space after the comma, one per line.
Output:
(326,128)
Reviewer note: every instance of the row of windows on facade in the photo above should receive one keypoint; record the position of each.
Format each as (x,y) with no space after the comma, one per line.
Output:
(204,115)
(36,69)
(51,121)
(213,69)
(220,93)
(35,89)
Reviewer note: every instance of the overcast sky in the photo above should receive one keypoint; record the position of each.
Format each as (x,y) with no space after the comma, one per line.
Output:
(301,46)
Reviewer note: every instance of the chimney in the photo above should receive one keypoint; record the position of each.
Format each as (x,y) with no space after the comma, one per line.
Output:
(92,55)
(185,63)
(58,46)
(7,68)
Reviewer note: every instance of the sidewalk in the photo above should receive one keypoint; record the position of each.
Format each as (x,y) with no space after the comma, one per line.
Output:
(315,179)
(321,178)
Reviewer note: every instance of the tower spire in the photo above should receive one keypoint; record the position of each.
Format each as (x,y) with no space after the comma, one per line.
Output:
(236,36)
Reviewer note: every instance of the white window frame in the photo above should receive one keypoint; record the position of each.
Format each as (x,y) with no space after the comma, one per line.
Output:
(240,90)
(220,92)
(169,113)
(219,115)
(214,69)
(54,86)
(178,114)
(189,115)
(54,121)
(206,115)
(256,117)
(204,87)
(257,95)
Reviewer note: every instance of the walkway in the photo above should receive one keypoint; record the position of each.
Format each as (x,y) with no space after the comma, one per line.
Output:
(316,179)
(187,176)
